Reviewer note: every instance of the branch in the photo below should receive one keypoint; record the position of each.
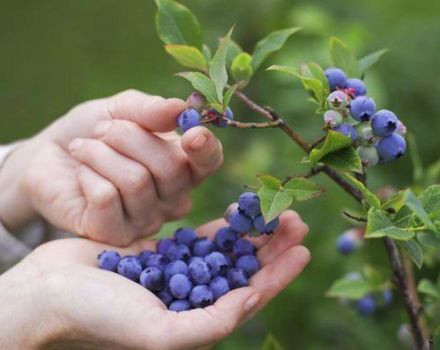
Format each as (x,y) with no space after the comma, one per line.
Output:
(240,125)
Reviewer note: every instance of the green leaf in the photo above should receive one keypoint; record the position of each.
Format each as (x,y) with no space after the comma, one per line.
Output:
(343,58)
(229,93)
(188,56)
(430,199)
(233,51)
(395,203)
(241,67)
(412,202)
(414,251)
(371,59)
(207,52)
(274,201)
(432,173)
(318,73)
(429,240)
(303,189)
(391,232)
(201,83)
(285,69)
(270,343)
(350,289)
(271,43)
(177,25)
(346,159)
(369,196)
(270,181)
(217,68)
(425,286)
(380,225)
(334,141)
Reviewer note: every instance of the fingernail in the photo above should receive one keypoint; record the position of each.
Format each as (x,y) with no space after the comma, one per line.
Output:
(198,143)
(102,127)
(75,144)
(251,302)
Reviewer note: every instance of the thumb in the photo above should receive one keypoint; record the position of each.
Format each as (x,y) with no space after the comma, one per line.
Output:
(204,151)
(153,113)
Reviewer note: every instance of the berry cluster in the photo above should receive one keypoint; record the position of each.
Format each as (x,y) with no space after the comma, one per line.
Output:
(196,114)
(378,135)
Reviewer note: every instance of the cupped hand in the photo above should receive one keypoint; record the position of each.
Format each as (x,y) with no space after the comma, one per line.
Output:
(108,167)
(85,306)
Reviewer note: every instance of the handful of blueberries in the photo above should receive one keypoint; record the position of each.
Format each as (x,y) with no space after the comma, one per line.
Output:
(186,271)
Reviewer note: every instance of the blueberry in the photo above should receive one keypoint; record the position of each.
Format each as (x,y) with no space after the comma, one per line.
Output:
(203,247)
(231,208)
(240,222)
(365,133)
(109,260)
(225,238)
(243,247)
(333,118)
(201,296)
(130,267)
(165,296)
(336,78)
(175,267)
(384,123)
(391,147)
(387,296)
(356,87)
(366,305)
(143,257)
(180,286)
(338,100)
(195,258)
(199,272)
(249,203)
(178,252)
(157,260)
(237,278)
(347,242)
(217,263)
(249,264)
(163,245)
(362,108)
(152,278)
(196,101)
(188,119)
(185,235)
(179,306)
(368,154)
(347,130)
(262,227)
(220,122)
(219,286)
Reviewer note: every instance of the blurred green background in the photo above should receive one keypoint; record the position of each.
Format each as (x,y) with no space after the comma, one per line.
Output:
(57,53)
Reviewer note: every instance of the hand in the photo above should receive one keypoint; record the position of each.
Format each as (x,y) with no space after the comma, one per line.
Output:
(74,303)
(112,169)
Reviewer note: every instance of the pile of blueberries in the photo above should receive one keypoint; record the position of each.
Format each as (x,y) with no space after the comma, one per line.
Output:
(187,272)
(378,135)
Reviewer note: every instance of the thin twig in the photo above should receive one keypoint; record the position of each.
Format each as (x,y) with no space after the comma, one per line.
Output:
(241,125)
(354,217)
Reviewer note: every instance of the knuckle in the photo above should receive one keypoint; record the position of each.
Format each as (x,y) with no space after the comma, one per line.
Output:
(137,179)
(182,209)
(104,196)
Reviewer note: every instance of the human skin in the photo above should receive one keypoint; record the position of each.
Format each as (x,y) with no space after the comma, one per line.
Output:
(112,169)
(59,299)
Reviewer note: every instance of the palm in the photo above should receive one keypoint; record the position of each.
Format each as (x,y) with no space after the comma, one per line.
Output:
(121,312)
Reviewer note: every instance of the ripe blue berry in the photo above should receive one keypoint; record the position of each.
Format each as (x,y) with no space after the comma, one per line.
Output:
(165,296)
(262,227)
(336,78)
(220,122)
(130,267)
(237,278)
(384,123)
(362,108)
(143,257)
(368,154)
(163,245)
(188,119)
(347,242)
(219,286)
(225,238)
(179,306)
(109,260)
(175,267)
(178,252)
(366,305)
(199,272)
(217,263)
(249,264)
(356,87)
(333,118)
(387,297)
(180,286)
(338,100)
(152,279)
(203,247)
(240,222)
(157,260)
(185,235)
(391,147)
(347,130)
(201,296)
(243,247)
(249,203)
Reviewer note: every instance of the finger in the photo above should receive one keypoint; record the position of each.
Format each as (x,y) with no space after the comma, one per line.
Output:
(103,218)
(204,151)
(290,232)
(274,277)
(201,327)
(153,113)
(133,180)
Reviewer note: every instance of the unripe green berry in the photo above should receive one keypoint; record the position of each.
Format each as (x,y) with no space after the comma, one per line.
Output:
(333,118)
(368,155)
